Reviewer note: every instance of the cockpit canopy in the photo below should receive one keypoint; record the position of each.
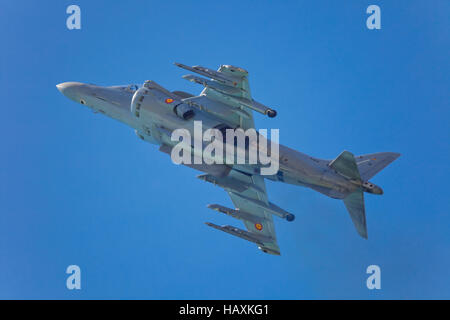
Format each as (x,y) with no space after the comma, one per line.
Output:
(132,88)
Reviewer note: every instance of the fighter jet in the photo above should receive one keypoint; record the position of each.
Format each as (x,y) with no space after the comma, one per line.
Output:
(226,103)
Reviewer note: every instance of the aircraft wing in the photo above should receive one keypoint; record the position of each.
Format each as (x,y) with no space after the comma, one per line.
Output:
(226,94)
(248,194)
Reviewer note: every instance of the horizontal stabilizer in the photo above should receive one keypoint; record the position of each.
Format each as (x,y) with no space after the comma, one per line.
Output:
(370,164)
(355,206)
(345,165)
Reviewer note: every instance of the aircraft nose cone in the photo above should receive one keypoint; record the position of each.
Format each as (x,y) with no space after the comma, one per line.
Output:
(67,87)
(75,91)
(61,87)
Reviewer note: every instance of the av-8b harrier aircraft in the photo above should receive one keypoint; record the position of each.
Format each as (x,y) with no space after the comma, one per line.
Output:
(226,103)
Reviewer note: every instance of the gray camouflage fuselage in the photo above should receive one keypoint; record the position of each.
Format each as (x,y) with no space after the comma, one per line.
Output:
(295,167)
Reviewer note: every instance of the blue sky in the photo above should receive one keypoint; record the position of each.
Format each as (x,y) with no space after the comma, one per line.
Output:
(78,188)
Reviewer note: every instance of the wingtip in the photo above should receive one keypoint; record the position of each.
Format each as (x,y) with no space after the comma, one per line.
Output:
(364,234)
(393,155)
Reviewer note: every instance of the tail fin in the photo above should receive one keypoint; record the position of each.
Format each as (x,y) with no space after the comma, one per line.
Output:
(361,169)
(345,165)
(355,206)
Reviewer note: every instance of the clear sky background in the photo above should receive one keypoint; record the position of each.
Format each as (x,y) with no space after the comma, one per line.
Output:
(79,188)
